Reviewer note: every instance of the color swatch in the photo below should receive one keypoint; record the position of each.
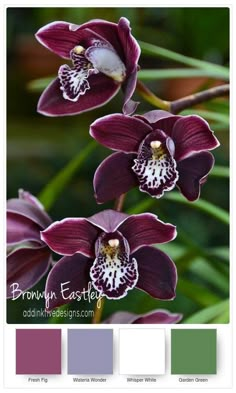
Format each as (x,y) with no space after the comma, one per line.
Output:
(90,351)
(193,351)
(142,351)
(38,351)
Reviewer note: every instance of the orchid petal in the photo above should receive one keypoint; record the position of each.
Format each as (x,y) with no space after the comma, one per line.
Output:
(108,31)
(114,177)
(25,267)
(192,134)
(61,37)
(129,86)
(102,89)
(157,273)
(108,220)
(129,44)
(145,229)
(29,210)
(152,317)
(20,228)
(68,278)
(70,236)
(192,171)
(28,197)
(120,132)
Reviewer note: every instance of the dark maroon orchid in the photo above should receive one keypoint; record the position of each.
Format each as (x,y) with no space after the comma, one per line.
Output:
(111,250)
(104,57)
(28,257)
(156,151)
(153,317)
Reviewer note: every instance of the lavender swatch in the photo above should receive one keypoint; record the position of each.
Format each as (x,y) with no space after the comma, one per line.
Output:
(90,351)
(38,351)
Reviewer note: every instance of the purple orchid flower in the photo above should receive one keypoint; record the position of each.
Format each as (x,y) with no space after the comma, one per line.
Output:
(156,151)
(28,257)
(104,57)
(153,317)
(111,251)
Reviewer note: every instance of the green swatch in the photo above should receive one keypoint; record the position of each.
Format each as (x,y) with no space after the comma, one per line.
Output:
(193,351)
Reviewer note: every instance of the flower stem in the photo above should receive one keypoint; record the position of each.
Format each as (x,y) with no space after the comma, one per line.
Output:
(150,97)
(98,311)
(119,203)
(206,95)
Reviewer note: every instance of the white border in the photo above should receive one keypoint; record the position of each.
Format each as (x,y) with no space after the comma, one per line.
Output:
(121,3)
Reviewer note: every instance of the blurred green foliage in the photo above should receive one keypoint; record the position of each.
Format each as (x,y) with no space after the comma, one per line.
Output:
(39,147)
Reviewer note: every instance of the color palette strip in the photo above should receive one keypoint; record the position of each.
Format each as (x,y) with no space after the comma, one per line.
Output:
(140,351)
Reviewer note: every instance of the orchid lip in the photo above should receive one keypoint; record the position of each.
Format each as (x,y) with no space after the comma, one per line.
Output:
(155,166)
(113,272)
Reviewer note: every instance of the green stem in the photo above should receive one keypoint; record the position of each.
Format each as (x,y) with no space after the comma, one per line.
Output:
(120,202)
(197,98)
(55,187)
(98,311)
(148,96)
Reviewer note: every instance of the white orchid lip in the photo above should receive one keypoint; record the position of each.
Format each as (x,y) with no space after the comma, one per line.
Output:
(114,242)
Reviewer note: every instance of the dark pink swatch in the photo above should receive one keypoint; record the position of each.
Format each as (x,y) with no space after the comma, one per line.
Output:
(38,351)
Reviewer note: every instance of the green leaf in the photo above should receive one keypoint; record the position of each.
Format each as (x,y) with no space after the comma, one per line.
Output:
(58,319)
(38,85)
(157,51)
(174,250)
(221,252)
(202,205)
(222,318)
(141,206)
(174,73)
(220,171)
(208,273)
(221,127)
(209,314)
(208,115)
(55,187)
(198,293)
